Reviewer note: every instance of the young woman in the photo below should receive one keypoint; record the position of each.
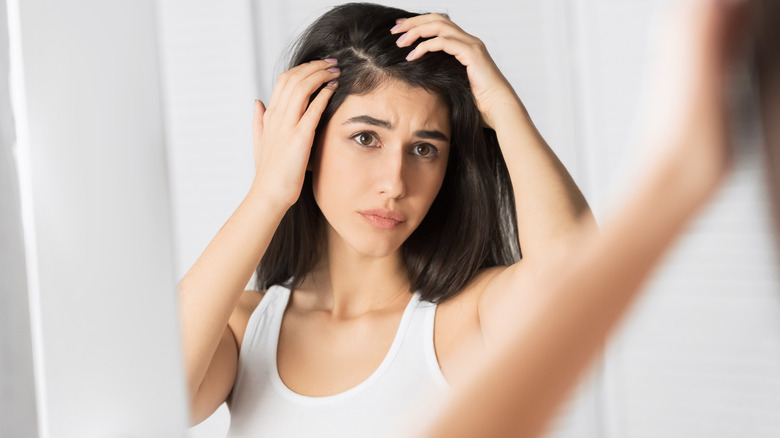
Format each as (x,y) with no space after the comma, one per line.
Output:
(397,177)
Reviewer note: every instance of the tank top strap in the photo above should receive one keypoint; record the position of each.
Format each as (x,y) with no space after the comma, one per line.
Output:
(420,345)
(263,319)
(257,343)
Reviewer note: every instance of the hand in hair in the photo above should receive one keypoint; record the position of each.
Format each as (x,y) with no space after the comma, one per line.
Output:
(283,134)
(545,229)
(491,89)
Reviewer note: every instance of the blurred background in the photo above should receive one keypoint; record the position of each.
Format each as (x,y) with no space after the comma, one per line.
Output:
(127,144)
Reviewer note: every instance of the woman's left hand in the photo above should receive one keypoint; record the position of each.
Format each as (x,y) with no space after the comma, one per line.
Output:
(492,92)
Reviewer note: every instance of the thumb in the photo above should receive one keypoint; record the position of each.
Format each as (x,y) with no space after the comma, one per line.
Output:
(257,120)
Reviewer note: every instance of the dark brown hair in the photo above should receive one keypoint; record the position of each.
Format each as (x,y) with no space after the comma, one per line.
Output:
(765,22)
(471,224)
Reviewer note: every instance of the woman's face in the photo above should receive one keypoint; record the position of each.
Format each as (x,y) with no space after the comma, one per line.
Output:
(379,165)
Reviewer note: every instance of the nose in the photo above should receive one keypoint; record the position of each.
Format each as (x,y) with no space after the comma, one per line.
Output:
(390,175)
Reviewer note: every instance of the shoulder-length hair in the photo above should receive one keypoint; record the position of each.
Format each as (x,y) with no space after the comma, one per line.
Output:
(472,222)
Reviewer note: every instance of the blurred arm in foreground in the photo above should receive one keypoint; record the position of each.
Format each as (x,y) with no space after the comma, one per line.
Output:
(517,389)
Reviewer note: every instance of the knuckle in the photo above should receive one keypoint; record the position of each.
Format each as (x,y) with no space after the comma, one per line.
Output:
(282,79)
(300,94)
(314,80)
(323,75)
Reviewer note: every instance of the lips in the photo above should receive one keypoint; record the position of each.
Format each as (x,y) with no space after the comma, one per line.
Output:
(382,218)
(387,214)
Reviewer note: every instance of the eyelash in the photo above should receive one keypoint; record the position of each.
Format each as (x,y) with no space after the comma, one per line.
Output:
(434,149)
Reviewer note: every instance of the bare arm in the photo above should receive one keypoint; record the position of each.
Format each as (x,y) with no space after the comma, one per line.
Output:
(549,205)
(531,369)
(211,289)
(209,292)
(550,208)
(518,388)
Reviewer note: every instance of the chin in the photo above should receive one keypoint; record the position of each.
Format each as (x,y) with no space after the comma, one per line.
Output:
(369,241)
(374,247)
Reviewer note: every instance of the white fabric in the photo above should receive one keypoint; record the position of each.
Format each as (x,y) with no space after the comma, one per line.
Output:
(406,385)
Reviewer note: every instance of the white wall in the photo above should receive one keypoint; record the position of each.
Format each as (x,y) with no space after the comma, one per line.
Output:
(17,384)
(99,252)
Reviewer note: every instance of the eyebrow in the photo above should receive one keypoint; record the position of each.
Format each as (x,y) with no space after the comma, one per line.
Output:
(428,134)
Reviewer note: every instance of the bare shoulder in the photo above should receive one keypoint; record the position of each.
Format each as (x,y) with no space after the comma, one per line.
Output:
(477,301)
(459,315)
(467,300)
(239,319)
(457,326)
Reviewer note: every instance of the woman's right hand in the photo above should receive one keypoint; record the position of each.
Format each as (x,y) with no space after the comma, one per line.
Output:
(283,134)
(209,293)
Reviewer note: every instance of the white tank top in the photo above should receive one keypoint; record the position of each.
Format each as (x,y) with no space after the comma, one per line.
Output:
(406,386)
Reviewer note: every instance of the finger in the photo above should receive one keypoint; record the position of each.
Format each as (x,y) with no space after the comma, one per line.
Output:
(299,96)
(465,53)
(404,24)
(295,95)
(307,69)
(287,79)
(312,115)
(434,29)
(257,120)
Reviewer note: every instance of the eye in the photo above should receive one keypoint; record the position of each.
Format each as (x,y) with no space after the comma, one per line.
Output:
(425,150)
(365,139)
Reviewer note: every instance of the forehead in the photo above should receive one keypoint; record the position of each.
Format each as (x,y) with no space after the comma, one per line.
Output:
(400,104)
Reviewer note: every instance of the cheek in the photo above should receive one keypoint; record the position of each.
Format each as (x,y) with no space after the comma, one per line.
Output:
(334,175)
(429,181)
(423,186)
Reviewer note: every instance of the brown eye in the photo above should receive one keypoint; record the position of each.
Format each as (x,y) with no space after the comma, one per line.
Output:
(423,149)
(364,139)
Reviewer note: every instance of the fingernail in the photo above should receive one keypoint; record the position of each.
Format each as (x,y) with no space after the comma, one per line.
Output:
(410,55)
(395,28)
(400,20)
(331,61)
(332,84)
(400,39)
(333,69)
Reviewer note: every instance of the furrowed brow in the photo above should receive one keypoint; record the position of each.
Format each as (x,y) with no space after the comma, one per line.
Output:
(423,133)
(368,120)
(431,135)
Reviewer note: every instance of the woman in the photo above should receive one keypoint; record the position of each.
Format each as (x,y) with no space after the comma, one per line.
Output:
(397,176)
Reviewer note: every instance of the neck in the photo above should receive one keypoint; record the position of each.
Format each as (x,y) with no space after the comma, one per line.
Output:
(349,284)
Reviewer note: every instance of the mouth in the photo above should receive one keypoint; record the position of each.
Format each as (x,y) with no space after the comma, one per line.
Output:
(384,219)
